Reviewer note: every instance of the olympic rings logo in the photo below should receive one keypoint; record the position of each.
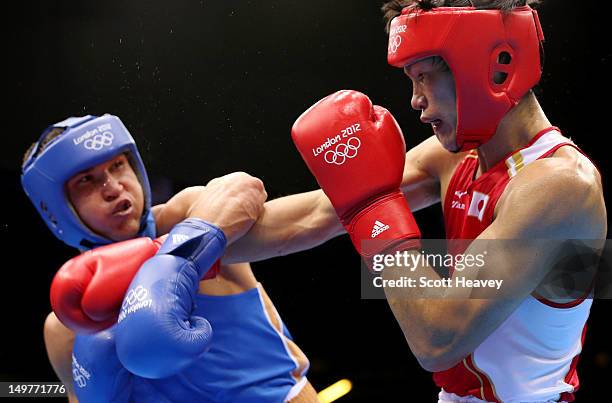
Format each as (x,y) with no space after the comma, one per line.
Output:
(343,151)
(79,379)
(98,141)
(135,295)
(394,43)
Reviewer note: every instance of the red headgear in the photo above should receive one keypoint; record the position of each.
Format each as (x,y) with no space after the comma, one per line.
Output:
(475,44)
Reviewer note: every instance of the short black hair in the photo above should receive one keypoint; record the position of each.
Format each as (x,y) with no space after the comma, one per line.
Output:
(392,9)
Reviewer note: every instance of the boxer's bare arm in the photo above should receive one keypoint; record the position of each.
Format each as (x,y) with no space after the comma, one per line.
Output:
(288,224)
(303,221)
(58,342)
(547,200)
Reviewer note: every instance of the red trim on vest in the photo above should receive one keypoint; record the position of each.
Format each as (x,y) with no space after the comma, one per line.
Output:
(458,380)
(487,390)
(564,305)
(572,374)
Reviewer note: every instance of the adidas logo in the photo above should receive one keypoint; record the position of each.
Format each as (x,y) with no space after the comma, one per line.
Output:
(179,238)
(378,228)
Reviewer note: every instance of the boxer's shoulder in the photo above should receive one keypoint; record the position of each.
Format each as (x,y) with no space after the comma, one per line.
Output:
(54,329)
(58,340)
(567,168)
(578,161)
(552,192)
(58,343)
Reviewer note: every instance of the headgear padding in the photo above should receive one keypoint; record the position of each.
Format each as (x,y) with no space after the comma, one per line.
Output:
(494,56)
(86,141)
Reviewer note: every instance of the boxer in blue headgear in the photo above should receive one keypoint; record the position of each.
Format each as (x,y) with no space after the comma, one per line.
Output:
(85,142)
(88,182)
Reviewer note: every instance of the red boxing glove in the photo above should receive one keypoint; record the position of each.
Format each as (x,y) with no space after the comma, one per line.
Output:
(356,152)
(87,291)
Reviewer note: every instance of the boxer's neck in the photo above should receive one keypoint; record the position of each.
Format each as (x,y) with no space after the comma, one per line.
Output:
(517,128)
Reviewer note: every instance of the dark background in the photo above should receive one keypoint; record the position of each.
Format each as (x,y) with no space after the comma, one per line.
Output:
(208,88)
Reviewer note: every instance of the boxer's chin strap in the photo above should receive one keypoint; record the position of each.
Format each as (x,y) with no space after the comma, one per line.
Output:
(147,229)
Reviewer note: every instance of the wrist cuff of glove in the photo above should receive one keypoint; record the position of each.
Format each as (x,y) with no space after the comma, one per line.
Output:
(384,225)
(196,240)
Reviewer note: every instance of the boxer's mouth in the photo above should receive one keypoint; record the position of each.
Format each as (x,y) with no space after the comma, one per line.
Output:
(429,120)
(123,207)
(435,123)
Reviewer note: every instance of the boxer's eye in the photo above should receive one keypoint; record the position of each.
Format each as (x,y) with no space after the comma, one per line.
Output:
(84,179)
(117,165)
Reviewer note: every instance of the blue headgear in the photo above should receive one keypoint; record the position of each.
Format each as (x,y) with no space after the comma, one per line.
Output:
(85,142)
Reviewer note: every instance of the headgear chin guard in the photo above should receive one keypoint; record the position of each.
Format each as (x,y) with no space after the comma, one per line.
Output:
(494,56)
(85,142)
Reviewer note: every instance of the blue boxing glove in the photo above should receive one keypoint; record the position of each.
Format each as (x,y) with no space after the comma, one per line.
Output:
(157,336)
(97,374)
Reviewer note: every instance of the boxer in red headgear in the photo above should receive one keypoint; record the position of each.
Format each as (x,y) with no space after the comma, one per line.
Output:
(501,172)
(493,67)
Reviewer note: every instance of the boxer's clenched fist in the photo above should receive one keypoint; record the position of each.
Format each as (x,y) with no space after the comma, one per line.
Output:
(232,202)
(356,151)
